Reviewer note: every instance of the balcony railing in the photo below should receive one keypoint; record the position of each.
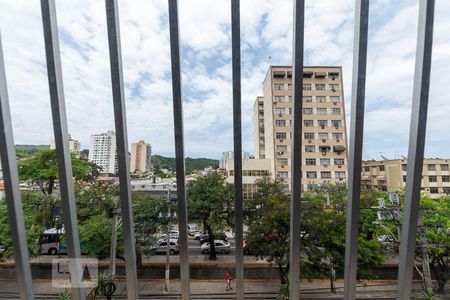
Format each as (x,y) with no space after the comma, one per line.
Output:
(415,155)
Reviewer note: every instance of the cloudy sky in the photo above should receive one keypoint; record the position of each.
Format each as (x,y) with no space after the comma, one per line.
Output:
(206,63)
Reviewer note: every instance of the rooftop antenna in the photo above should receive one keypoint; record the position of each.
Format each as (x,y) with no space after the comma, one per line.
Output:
(404,157)
(382,156)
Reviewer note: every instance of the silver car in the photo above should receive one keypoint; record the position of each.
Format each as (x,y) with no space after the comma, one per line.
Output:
(220,246)
(161,247)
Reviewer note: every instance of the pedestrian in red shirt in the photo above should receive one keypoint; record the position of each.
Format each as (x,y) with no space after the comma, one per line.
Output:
(228,277)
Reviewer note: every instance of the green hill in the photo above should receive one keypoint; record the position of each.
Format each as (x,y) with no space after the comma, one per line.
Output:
(192,164)
(27,150)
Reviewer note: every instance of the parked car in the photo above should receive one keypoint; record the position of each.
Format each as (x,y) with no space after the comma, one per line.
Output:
(219,236)
(220,246)
(192,229)
(199,235)
(161,247)
(174,234)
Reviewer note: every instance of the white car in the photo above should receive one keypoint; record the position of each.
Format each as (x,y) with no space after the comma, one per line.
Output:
(192,229)
(220,246)
(174,234)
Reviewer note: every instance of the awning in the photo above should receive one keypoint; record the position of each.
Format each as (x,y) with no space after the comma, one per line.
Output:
(321,74)
(339,148)
(365,177)
(307,74)
(381,177)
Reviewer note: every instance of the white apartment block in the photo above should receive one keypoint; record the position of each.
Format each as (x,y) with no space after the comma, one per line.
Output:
(103,151)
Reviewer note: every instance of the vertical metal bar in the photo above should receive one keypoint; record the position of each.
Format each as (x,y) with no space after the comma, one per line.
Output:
(115,57)
(179,146)
(13,198)
(416,147)
(356,144)
(237,133)
(296,158)
(63,156)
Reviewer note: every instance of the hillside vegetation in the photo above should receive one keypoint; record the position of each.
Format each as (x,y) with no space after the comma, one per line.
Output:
(192,164)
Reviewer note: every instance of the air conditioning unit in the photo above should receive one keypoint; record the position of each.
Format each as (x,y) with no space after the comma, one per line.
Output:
(333,90)
(337,141)
(280,115)
(340,167)
(281,140)
(323,141)
(337,127)
(323,127)
(282,166)
(335,103)
(280,153)
(309,141)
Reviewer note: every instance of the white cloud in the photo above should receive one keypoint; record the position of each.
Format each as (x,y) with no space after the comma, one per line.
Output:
(266,29)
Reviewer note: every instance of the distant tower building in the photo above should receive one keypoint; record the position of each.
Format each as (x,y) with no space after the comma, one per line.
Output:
(225,156)
(258,111)
(103,151)
(74,146)
(140,157)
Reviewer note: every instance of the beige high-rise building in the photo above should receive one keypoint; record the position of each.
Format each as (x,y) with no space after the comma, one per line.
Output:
(390,176)
(258,126)
(74,146)
(140,157)
(324,147)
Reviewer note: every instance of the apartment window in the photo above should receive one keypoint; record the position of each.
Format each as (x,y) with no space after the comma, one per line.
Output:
(290,110)
(431,167)
(336,123)
(340,162)
(278,86)
(325,174)
(280,123)
(403,167)
(321,111)
(310,161)
(432,179)
(339,174)
(307,98)
(282,161)
(324,162)
(322,123)
(311,174)
(404,178)
(307,86)
(335,99)
(282,175)
(333,75)
(279,111)
(280,135)
(324,149)
(381,168)
(309,135)
(310,148)
(290,98)
(308,111)
(335,111)
(445,178)
(284,187)
(434,190)
(334,87)
(320,87)
(337,135)
(282,148)
(444,167)
(308,123)
(323,135)
(289,86)
(278,99)
(321,99)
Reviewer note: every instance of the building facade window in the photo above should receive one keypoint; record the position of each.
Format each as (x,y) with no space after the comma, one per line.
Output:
(445,178)
(432,179)
(337,135)
(280,135)
(335,111)
(335,99)
(278,99)
(282,161)
(282,175)
(381,168)
(431,167)
(336,123)
(339,174)
(321,99)
(323,135)
(334,87)
(320,86)
(279,111)
(324,161)
(308,123)
(280,123)
(289,86)
(310,148)
(308,135)
(310,161)
(434,190)
(325,174)
(278,86)
(308,111)
(446,190)
(307,86)
(322,123)
(444,167)
(340,162)
(321,111)
(307,99)
(403,167)
(311,174)
(282,148)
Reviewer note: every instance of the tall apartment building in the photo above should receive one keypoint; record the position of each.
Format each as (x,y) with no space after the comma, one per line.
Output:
(258,127)
(74,146)
(390,176)
(103,151)
(324,152)
(140,157)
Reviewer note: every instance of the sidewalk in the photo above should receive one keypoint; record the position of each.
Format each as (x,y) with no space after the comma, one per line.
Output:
(215,289)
